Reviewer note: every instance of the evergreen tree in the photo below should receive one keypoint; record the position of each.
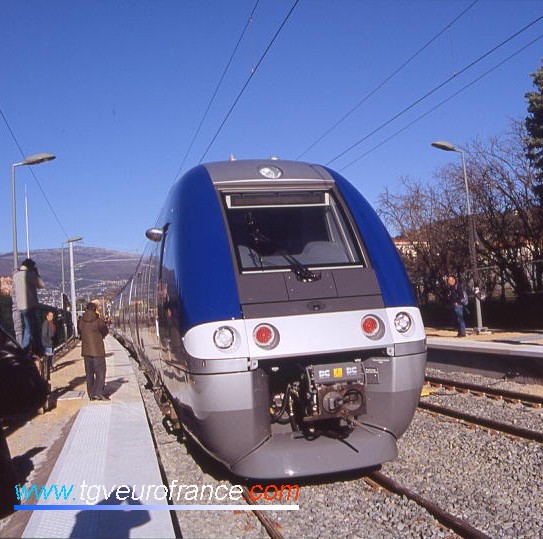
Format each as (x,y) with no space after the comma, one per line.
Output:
(534,125)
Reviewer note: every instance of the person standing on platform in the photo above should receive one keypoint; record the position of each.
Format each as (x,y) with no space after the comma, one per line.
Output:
(455,296)
(26,282)
(15,313)
(48,334)
(92,330)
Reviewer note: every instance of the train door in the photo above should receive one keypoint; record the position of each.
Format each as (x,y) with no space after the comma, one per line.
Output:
(163,319)
(149,318)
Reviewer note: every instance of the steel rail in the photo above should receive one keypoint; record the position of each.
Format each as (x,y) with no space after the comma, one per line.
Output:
(516,396)
(459,526)
(269,525)
(506,428)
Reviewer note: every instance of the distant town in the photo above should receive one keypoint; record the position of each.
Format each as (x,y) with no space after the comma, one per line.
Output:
(99,273)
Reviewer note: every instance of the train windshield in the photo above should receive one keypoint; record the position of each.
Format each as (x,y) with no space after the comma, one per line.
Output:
(279,230)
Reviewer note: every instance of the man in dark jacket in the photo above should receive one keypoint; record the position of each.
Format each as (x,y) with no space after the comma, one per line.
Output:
(93,330)
(456,301)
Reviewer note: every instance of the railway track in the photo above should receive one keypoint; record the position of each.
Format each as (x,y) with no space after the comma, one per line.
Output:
(494,393)
(491,424)
(459,526)
(491,392)
(269,524)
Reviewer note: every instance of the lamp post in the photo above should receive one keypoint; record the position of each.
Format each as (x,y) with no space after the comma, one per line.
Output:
(448,147)
(71,242)
(34,159)
(62,294)
(62,266)
(26,226)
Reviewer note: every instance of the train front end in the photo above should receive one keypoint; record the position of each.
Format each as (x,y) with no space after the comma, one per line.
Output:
(318,365)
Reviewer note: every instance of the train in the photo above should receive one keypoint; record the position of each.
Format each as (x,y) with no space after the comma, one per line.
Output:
(272,310)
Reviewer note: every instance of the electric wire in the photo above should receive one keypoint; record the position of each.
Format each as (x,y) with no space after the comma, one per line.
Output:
(249,20)
(253,71)
(388,79)
(435,89)
(441,103)
(55,215)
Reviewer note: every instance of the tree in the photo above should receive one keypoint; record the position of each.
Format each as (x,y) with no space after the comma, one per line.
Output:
(534,126)
(431,220)
(431,225)
(503,185)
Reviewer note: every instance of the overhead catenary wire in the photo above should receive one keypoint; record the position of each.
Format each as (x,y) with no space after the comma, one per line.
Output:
(441,103)
(252,74)
(435,89)
(55,215)
(197,132)
(351,111)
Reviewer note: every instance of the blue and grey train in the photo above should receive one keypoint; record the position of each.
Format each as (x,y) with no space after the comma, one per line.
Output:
(273,309)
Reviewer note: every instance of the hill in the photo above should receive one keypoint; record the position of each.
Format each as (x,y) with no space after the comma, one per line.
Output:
(97,271)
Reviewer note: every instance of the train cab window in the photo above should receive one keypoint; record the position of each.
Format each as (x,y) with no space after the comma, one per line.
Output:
(278,230)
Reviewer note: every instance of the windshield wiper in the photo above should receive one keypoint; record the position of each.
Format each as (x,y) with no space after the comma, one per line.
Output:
(302,272)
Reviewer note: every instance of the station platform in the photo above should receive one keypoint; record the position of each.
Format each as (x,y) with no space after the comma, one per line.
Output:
(108,446)
(496,353)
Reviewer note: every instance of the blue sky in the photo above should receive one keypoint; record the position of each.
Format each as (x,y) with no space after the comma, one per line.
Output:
(116,90)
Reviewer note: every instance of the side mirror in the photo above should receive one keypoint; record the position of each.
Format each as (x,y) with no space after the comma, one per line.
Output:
(155,234)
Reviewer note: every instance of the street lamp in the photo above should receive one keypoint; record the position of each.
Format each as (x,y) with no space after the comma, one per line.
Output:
(71,242)
(448,147)
(35,159)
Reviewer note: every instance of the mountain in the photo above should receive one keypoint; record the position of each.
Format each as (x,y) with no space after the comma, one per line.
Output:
(97,271)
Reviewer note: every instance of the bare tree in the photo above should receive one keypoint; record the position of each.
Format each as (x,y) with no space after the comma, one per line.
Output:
(432,235)
(430,219)
(508,217)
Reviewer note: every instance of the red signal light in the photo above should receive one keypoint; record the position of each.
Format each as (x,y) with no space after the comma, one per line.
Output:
(266,336)
(372,327)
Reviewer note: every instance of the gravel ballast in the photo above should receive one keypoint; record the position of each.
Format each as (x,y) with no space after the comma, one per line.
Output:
(491,481)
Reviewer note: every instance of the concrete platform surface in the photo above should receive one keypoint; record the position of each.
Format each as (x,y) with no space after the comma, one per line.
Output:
(498,342)
(513,355)
(109,446)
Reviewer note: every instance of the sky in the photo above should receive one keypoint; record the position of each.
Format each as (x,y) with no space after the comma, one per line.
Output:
(116,90)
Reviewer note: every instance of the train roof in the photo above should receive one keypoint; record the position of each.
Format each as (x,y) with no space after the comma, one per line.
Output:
(266,170)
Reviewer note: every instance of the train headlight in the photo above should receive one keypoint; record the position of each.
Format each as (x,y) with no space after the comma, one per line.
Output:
(372,327)
(224,337)
(270,171)
(266,336)
(403,322)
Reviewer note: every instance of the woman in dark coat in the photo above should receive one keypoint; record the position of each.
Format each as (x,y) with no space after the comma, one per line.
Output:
(93,329)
